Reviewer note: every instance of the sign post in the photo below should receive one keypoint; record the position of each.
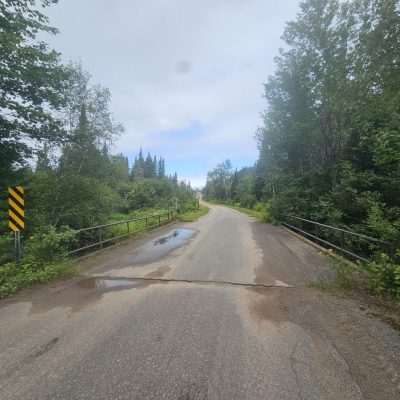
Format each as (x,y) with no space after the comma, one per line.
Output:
(16,216)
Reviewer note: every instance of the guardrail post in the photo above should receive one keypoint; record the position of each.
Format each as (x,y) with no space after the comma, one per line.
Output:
(127,227)
(159,219)
(342,239)
(101,237)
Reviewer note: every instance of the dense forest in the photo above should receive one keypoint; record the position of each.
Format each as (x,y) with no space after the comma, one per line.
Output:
(329,146)
(56,139)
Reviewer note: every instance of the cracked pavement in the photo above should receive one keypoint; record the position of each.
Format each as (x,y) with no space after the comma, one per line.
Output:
(225,313)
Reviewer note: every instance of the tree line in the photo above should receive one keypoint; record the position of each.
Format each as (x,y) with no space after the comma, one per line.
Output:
(149,167)
(233,186)
(329,145)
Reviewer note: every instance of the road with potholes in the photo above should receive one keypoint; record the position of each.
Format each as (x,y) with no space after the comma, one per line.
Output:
(217,309)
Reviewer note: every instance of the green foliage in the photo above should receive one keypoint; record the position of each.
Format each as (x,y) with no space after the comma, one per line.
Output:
(6,248)
(384,275)
(193,214)
(148,168)
(330,140)
(14,277)
(148,193)
(68,200)
(32,85)
(49,244)
(219,182)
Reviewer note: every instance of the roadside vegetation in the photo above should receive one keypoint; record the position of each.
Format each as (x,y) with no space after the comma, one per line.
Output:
(374,297)
(235,189)
(194,214)
(329,144)
(56,139)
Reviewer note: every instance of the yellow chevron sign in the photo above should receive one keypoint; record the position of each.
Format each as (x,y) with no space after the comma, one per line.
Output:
(16,209)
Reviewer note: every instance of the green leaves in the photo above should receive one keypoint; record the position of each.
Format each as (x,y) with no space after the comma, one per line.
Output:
(330,144)
(32,83)
(384,276)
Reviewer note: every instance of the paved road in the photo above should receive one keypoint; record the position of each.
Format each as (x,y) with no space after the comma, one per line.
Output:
(224,312)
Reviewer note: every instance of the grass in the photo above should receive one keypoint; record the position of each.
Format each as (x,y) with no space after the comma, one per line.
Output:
(351,281)
(14,277)
(193,215)
(347,277)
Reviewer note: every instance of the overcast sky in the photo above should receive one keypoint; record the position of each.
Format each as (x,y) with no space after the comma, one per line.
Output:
(186,76)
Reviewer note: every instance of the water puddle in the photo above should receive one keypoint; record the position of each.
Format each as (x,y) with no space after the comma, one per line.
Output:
(109,284)
(161,246)
(82,293)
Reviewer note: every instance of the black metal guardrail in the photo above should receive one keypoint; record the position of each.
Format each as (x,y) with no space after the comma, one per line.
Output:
(361,250)
(100,234)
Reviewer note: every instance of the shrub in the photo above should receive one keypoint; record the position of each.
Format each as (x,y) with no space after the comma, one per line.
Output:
(49,245)
(6,248)
(384,275)
(263,208)
(17,276)
(248,200)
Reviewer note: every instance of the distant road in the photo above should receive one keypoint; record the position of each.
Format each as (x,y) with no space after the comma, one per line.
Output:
(224,311)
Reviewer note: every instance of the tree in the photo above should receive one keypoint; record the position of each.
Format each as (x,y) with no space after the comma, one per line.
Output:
(175,179)
(155,167)
(149,171)
(235,186)
(161,168)
(330,140)
(43,162)
(219,181)
(32,84)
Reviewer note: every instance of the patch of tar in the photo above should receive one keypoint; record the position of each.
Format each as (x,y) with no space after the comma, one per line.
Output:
(268,305)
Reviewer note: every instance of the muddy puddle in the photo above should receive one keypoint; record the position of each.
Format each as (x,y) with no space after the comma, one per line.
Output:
(162,246)
(109,284)
(82,293)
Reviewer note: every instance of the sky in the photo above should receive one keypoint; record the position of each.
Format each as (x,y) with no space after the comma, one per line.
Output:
(186,76)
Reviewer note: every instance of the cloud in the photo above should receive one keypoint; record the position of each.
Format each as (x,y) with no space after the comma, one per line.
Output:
(175,64)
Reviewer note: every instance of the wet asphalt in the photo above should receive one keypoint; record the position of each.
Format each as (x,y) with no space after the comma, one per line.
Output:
(217,309)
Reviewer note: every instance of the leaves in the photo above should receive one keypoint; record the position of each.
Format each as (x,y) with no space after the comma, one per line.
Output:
(32,83)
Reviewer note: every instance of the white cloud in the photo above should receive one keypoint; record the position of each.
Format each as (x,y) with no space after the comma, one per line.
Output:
(172,63)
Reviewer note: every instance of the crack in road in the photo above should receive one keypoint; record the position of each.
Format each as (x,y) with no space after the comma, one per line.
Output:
(196,282)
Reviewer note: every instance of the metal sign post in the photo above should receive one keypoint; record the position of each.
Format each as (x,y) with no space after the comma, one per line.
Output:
(16,216)
(17,246)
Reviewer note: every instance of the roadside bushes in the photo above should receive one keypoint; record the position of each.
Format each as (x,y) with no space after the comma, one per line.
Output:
(50,244)
(17,276)
(384,275)
(6,248)
(44,259)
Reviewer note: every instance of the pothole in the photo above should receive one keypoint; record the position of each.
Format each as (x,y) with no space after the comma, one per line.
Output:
(162,246)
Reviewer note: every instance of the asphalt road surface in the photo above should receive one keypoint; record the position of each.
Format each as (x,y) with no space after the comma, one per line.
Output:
(223,309)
